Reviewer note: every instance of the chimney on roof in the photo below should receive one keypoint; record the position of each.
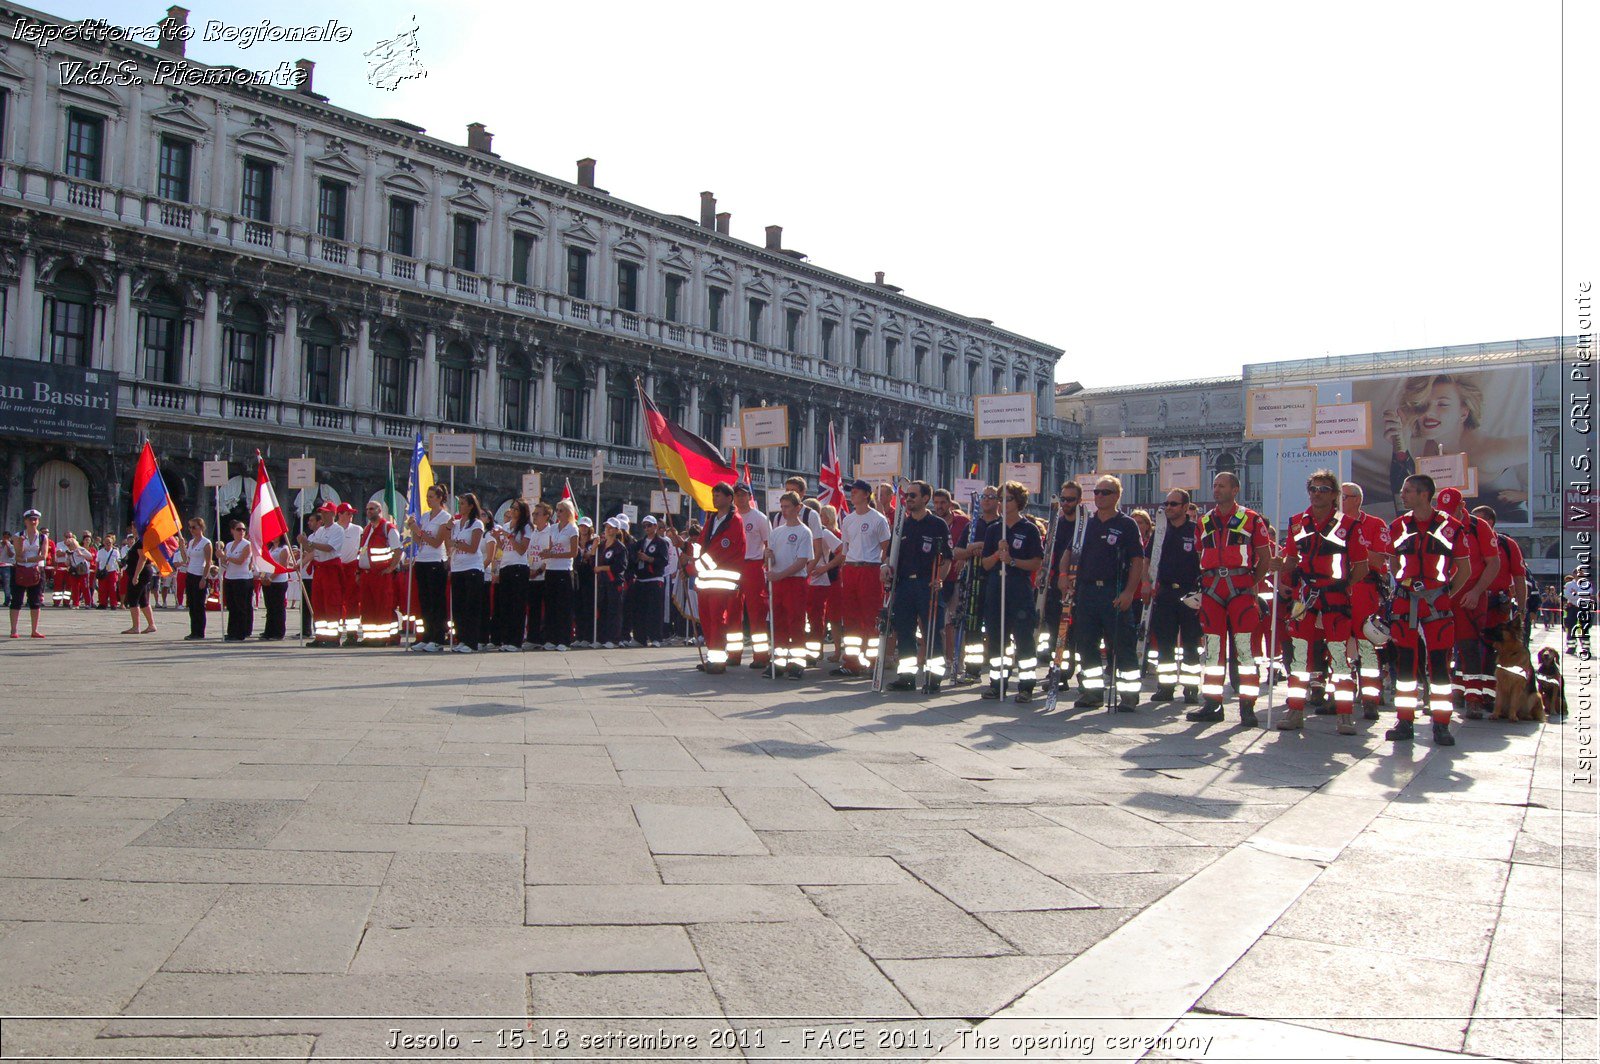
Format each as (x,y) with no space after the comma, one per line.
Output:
(877,278)
(307,68)
(479,138)
(708,210)
(774,238)
(586,173)
(171,40)
(722,222)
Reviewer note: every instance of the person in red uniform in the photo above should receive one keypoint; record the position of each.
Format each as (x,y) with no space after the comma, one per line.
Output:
(1508,591)
(866,533)
(1432,567)
(716,561)
(1235,551)
(1473,677)
(790,558)
(752,596)
(378,560)
(1322,559)
(322,546)
(1367,594)
(349,594)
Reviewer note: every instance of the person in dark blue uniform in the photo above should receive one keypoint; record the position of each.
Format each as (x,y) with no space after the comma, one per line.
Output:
(647,593)
(1110,570)
(969,613)
(919,570)
(1172,624)
(1012,552)
(1066,517)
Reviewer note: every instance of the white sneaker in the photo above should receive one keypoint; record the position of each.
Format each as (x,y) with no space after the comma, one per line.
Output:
(462,648)
(611,646)
(562,648)
(530,646)
(507,648)
(430,648)
(626,643)
(552,646)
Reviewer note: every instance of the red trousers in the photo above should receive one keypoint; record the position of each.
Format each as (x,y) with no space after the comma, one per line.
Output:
(719,623)
(751,600)
(862,596)
(379,623)
(108,589)
(789,621)
(329,604)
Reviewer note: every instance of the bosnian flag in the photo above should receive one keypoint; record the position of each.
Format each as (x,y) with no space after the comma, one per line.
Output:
(266,522)
(831,476)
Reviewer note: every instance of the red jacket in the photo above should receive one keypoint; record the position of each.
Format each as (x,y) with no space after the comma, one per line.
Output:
(723,540)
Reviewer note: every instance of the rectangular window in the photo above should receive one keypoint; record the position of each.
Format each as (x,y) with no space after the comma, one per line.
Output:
(393,387)
(514,403)
(569,412)
(577,273)
(627,286)
(919,358)
(331,199)
(255,198)
(756,307)
(464,255)
(861,348)
(454,382)
(891,358)
(791,329)
(320,375)
(247,365)
(161,349)
(172,180)
(402,226)
(714,309)
(521,257)
(827,340)
(620,409)
(69,332)
(674,306)
(86,137)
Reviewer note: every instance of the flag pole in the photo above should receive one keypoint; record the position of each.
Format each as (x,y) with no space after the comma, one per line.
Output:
(594,579)
(661,479)
(450,599)
(222,600)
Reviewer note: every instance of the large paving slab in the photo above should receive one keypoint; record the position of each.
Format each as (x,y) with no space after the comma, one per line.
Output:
(615,843)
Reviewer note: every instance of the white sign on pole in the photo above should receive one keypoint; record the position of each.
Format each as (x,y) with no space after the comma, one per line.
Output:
(1471,490)
(966,487)
(730,440)
(1003,416)
(631,512)
(1181,472)
(1280,413)
(666,502)
(214,474)
(879,460)
(532,487)
(1124,454)
(1447,470)
(1342,427)
(764,426)
(773,495)
(453,449)
(1029,474)
(302,473)
(597,467)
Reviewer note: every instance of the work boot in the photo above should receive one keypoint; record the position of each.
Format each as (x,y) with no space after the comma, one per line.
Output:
(1292,720)
(1209,714)
(1089,700)
(1402,732)
(1474,708)
(1247,718)
(1164,694)
(1192,698)
(1441,734)
(992,691)
(1347,724)
(903,683)
(1127,703)
(717,669)
(933,685)
(963,680)
(797,672)
(1319,703)
(1024,695)
(1369,712)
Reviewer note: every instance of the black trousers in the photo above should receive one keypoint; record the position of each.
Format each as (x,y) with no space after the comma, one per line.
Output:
(194,590)
(432,603)
(1172,624)
(912,599)
(276,597)
(647,600)
(305,607)
(1095,617)
(1021,620)
(510,606)
(610,628)
(536,601)
(466,606)
(559,591)
(236,596)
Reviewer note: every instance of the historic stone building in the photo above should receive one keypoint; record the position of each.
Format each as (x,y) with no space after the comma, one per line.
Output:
(261,269)
(1207,418)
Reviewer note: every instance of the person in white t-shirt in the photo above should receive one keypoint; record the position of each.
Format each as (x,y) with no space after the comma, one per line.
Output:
(865,532)
(275,590)
(326,547)
(790,557)
(511,582)
(751,598)
(559,589)
(199,563)
(466,574)
(541,540)
(238,583)
(822,596)
(430,532)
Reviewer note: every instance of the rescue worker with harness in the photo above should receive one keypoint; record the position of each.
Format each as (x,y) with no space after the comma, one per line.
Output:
(1432,567)
(1324,557)
(1235,551)
(1473,677)
(1369,598)
(717,561)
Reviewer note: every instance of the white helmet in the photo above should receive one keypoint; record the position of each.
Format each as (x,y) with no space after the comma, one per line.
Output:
(1374,631)
(1191,600)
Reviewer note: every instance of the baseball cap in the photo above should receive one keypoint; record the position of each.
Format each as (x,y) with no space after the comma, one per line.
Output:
(744,487)
(346,508)
(859,485)
(31,513)
(584,522)
(1448,499)
(648,519)
(328,508)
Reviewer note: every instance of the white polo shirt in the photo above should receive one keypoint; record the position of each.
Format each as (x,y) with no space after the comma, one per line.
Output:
(432,524)
(757,531)
(830,543)
(790,543)
(864,535)
(350,544)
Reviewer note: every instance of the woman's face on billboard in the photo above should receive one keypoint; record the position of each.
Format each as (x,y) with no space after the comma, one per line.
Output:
(1441,412)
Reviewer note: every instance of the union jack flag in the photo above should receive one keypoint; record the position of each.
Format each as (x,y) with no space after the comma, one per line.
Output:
(831,476)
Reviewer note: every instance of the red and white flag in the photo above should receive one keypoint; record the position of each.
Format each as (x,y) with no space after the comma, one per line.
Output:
(266,522)
(831,476)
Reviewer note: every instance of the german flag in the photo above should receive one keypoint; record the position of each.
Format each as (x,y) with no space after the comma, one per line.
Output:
(692,463)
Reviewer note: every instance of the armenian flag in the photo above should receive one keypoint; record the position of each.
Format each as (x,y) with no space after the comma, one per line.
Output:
(692,463)
(155,519)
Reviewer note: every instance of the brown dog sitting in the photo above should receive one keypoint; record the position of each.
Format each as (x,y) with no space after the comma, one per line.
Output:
(1516,695)
(1551,687)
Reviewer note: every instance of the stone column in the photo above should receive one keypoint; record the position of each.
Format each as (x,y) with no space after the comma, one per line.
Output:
(359,394)
(286,381)
(27,340)
(210,342)
(488,412)
(598,430)
(426,406)
(297,184)
(122,331)
(961,456)
(694,411)
(131,174)
(371,231)
(933,461)
(547,397)
(803,462)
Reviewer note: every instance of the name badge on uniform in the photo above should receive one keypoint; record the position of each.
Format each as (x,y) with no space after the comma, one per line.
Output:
(927,546)
(1016,544)
(1188,545)
(726,542)
(1111,537)
(792,537)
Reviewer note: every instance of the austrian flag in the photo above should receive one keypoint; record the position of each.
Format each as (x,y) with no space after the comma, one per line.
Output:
(266,522)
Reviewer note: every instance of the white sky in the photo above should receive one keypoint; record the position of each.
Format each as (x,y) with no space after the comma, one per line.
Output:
(1161,189)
